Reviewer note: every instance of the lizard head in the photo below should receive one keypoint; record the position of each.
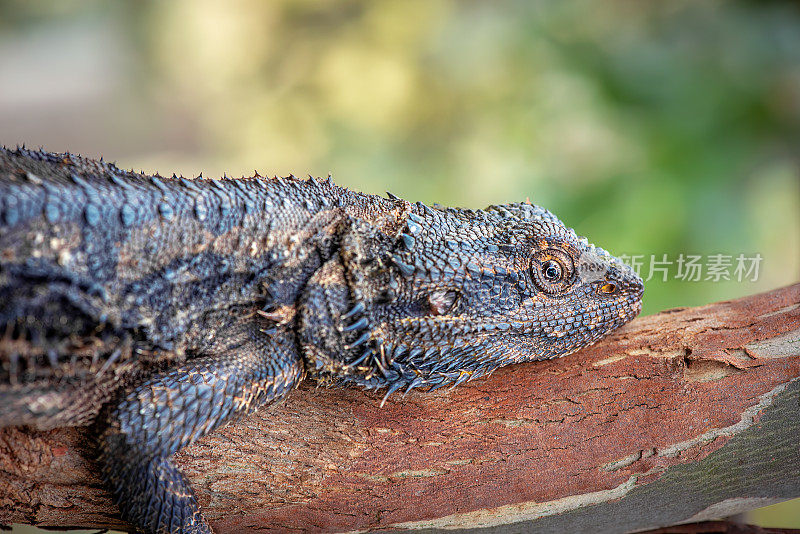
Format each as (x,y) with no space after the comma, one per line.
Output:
(457,293)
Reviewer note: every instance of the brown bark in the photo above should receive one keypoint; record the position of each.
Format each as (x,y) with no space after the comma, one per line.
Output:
(688,415)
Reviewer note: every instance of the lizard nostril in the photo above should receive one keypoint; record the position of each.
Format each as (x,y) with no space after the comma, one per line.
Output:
(608,288)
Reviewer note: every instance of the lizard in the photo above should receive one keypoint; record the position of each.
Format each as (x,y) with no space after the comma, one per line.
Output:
(161,308)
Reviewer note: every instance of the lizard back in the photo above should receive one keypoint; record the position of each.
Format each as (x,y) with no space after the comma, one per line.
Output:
(106,273)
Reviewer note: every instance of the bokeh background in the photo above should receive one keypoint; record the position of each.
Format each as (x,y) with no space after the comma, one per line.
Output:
(650,127)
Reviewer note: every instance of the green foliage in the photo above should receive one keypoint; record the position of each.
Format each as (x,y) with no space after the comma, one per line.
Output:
(651,128)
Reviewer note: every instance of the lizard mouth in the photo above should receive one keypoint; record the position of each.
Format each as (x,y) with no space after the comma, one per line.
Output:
(468,347)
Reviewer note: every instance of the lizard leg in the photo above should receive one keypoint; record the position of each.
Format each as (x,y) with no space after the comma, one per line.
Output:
(173,409)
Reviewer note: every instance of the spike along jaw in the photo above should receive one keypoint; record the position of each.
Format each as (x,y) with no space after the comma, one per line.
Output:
(458,293)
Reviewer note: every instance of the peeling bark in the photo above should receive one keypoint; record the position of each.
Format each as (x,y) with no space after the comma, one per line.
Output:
(685,416)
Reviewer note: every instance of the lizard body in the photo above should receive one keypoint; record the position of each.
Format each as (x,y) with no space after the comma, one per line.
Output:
(165,307)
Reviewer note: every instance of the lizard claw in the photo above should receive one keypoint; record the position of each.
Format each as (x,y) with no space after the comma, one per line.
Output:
(355,310)
(279,315)
(358,325)
(360,341)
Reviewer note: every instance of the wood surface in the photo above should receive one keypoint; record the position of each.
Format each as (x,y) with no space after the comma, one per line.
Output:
(688,415)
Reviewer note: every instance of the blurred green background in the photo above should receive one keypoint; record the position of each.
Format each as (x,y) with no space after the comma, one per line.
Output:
(650,127)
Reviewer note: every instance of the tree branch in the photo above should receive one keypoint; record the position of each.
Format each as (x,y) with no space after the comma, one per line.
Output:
(688,415)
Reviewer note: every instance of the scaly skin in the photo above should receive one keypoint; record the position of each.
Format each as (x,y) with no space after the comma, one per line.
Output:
(166,307)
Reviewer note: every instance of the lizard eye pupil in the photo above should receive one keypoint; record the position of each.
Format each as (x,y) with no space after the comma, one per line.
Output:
(551,271)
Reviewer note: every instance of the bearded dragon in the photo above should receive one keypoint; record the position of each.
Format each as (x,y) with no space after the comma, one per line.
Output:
(165,307)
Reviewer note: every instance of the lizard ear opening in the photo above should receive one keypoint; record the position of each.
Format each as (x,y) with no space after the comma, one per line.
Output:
(442,302)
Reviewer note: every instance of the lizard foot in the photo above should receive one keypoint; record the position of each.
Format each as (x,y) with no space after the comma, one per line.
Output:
(246,369)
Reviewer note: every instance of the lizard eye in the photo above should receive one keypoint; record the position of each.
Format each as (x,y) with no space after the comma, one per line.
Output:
(552,271)
(442,302)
